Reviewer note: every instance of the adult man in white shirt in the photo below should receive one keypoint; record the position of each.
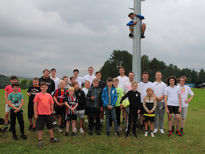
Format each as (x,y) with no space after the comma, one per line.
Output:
(54,78)
(159,89)
(77,78)
(90,76)
(123,79)
(142,87)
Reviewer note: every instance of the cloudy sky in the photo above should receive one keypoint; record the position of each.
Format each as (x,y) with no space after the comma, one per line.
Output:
(68,34)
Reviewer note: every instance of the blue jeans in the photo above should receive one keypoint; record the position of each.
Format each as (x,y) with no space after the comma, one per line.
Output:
(111,113)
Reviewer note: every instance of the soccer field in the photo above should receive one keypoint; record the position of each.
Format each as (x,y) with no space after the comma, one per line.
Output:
(193,140)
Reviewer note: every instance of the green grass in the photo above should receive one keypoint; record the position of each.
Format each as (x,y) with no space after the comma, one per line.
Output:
(193,140)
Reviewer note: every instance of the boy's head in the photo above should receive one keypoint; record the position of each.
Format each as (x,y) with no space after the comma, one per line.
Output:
(76,85)
(15,87)
(182,80)
(35,82)
(145,76)
(72,80)
(90,70)
(171,81)
(95,82)
(98,75)
(13,79)
(131,76)
(109,82)
(53,72)
(149,92)
(158,76)
(71,91)
(46,73)
(131,15)
(62,84)
(87,84)
(115,82)
(44,87)
(65,78)
(75,73)
(122,71)
(134,85)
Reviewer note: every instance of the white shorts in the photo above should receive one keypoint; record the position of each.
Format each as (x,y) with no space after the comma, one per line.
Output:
(183,113)
(7,108)
(80,113)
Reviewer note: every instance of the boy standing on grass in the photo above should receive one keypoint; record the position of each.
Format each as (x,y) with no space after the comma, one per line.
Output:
(16,101)
(94,105)
(134,108)
(59,97)
(109,98)
(149,104)
(43,109)
(173,104)
(32,91)
(71,103)
(8,89)
(81,105)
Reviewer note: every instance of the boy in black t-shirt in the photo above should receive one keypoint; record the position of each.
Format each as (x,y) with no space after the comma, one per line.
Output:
(32,91)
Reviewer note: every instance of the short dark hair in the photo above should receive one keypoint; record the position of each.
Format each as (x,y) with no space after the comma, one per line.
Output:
(36,79)
(15,85)
(145,73)
(13,77)
(43,84)
(53,69)
(109,79)
(130,14)
(71,77)
(121,67)
(97,72)
(64,77)
(46,70)
(75,70)
(171,77)
(183,77)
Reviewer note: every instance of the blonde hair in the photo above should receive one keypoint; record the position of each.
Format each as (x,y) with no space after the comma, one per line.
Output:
(96,80)
(115,79)
(62,82)
(71,89)
(134,82)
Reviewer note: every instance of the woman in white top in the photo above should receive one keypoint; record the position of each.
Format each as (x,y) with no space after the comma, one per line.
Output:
(173,103)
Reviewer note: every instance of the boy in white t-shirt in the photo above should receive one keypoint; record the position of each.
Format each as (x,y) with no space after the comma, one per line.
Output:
(90,76)
(159,88)
(142,87)
(173,103)
(54,78)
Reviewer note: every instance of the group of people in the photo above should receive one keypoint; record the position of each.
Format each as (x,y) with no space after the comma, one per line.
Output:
(53,99)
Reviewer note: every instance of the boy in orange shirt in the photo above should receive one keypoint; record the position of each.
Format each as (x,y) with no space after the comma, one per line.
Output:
(43,109)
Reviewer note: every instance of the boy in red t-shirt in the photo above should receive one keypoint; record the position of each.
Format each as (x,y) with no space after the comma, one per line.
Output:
(43,109)
(8,89)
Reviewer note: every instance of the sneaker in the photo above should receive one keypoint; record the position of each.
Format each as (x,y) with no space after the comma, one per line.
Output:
(5,129)
(135,135)
(59,129)
(126,135)
(108,133)
(101,120)
(156,130)
(152,134)
(86,120)
(40,144)
(66,133)
(117,133)
(131,35)
(146,133)
(98,132)
(178,133)
(170,133)
(142,36)
(90,132)
(55,140)
(172,128)
(73,134)
(15,138)
(81,130)
(30,127)
(34,129)
(182,132)
(161,131)
(75,130)
(23,137)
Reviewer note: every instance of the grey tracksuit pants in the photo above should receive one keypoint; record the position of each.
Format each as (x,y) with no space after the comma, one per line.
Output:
(159,115)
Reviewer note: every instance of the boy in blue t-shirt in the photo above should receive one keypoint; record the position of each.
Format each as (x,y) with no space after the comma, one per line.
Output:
(16,101)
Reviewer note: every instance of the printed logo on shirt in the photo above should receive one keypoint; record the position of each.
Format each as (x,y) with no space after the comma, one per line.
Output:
(113,92)
(137,95)
(182,90)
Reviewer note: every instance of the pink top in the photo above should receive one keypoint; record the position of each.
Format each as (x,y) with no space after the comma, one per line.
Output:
(9,89)
(44,102)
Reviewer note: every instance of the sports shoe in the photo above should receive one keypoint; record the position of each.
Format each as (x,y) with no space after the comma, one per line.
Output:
(86,120)
(81,130)
(66,133)
(98,132)
(73,134)
(178,133)
(15,138)
(152,134)
(182,132)
(54,140)
(75,130)
(142,36)
(146,133)
(156,130)
(34,129)
(40,144)
(59,129)
(161,131)
(126,135)
(131,35)
(135,135)
(23,136)
(170,133)
(108,133)
(90,132)
(117,133)
(30,127)
(5,129)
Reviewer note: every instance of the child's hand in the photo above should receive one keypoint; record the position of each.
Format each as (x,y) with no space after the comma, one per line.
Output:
(167,110)
(92,98)
(180,109)
(150,112)
(187,101)
(17,110)
(35,116)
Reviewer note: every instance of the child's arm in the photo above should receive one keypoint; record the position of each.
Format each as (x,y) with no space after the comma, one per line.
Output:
(76,105)
(165,102)
(35,110)
(180,103)
(144,105)
(67,105)
(52,107)
(6,97)
(56,101)
(154,105)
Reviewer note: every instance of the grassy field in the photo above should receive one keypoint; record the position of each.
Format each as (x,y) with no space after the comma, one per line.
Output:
(193,140)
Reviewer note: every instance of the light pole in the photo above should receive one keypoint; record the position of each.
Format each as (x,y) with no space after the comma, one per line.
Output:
(136,57)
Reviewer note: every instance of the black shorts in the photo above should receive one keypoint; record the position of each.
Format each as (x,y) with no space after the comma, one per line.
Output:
(42,119)
(70,117)
(147,118)
(30,110)
(173,109)
(60,110)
